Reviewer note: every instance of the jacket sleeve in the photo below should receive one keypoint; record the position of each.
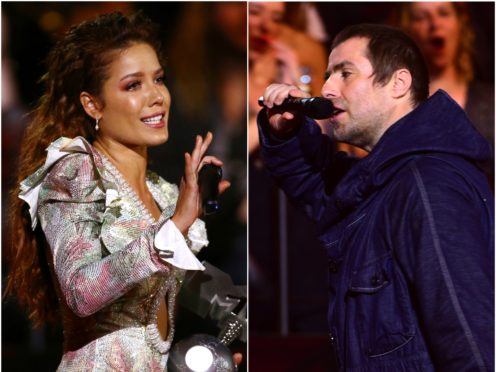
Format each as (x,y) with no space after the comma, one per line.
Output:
(71,209)
(304,166)
(443,238)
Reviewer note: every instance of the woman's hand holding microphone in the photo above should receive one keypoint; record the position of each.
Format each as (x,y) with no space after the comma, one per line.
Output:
(189,206)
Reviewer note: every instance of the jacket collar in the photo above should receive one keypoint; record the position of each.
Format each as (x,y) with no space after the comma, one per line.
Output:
(439,125)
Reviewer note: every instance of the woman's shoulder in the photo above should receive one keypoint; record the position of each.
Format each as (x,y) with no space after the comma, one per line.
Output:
(73,159)
(72,168)
(68,174)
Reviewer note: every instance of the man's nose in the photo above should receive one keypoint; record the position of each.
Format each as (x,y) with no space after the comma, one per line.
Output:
(330,89)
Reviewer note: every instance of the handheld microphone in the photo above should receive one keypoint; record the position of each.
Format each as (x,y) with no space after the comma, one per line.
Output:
(314,107)
(208,180)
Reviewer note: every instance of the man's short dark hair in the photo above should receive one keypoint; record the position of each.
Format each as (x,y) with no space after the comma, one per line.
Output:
(389,50)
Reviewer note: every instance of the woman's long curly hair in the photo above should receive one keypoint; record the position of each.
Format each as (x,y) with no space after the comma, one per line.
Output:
(78,62)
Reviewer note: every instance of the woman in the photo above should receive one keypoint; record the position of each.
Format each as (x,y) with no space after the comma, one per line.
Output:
(443,32)
(278,52)
(115,238)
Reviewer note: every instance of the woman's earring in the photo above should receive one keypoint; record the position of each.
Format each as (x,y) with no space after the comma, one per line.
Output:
(96,125)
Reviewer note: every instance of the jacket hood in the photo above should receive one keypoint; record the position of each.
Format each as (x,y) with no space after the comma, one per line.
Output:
(439,125)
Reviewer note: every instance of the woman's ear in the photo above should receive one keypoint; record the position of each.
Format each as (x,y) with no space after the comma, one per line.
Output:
(402,81)
(90,105)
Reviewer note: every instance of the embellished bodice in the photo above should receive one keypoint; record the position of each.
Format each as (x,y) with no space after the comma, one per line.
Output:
(125,218)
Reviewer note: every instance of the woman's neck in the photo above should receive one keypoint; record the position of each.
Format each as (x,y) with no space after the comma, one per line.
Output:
(130,161)
(450,81)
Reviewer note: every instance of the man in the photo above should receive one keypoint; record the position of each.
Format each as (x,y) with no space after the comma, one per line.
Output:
(408,230)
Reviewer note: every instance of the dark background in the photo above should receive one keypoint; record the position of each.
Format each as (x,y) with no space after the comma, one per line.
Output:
(29,29)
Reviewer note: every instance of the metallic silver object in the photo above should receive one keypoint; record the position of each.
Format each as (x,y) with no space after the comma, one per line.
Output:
(201,353)
(210,294)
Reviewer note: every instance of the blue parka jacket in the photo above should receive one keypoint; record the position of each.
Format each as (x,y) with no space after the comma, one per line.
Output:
(409,236)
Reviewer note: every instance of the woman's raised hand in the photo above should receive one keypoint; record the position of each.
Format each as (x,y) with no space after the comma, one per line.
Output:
(188,206)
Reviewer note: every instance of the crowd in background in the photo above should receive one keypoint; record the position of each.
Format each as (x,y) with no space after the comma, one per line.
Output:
(289,43)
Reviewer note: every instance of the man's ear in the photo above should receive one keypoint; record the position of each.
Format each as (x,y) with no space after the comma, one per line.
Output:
(90,105)
(402,81)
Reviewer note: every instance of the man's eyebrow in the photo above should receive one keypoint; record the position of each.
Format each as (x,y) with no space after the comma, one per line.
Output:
(338,67)
(341,65)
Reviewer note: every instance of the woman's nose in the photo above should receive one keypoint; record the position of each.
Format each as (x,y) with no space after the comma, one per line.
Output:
(434,21)
(156,97)
(266,24)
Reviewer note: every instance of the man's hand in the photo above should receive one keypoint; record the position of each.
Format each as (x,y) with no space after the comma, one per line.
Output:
(282,123)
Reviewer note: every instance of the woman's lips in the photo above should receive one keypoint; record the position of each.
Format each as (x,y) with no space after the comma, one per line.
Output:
(437,43)
(260,43)
(154,121)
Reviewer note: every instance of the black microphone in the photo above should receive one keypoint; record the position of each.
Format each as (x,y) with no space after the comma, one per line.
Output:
(208,180)
(313,107)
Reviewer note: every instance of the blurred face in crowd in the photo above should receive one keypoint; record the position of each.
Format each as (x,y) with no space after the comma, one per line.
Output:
(435,27)
(230,18)
(362,105)
(265,19)
(136,102)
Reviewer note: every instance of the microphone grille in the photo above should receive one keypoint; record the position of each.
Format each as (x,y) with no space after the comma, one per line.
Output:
(318,108)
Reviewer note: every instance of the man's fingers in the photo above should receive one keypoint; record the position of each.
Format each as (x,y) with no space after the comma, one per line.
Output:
(299,93)
(279,120)
(275,94)
(288,115)
(271,94)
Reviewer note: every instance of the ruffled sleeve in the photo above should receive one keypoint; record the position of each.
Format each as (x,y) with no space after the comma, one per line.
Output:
(30,187)
(173,248)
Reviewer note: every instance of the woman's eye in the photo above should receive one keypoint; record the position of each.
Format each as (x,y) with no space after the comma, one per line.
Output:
(254,11)
(418,17)
(445,12)
(133,86)
(160,80)
(327,75)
